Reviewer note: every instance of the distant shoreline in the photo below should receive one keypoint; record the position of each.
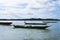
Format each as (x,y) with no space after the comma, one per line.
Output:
(29,19)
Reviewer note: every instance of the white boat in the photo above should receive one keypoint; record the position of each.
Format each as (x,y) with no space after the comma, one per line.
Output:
(35,24)
(32,25)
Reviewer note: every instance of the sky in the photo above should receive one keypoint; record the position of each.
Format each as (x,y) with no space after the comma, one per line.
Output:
(29,9)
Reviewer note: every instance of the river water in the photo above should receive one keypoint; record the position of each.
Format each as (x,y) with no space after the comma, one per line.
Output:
(11,33)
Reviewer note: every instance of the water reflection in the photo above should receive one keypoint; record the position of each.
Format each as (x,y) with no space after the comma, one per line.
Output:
(35,34)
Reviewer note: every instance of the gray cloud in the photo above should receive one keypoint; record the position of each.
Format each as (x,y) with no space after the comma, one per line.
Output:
(35,8)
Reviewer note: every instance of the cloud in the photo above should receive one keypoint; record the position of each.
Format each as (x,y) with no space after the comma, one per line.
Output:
(30,8)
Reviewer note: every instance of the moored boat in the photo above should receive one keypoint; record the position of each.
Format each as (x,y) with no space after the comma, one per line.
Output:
(31,26)
(5,23)
(41,25)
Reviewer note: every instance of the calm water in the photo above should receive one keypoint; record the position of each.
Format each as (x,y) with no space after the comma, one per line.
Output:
(10,33)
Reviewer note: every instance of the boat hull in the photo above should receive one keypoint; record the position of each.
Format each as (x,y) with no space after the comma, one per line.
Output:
(5,23)
(39,27)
